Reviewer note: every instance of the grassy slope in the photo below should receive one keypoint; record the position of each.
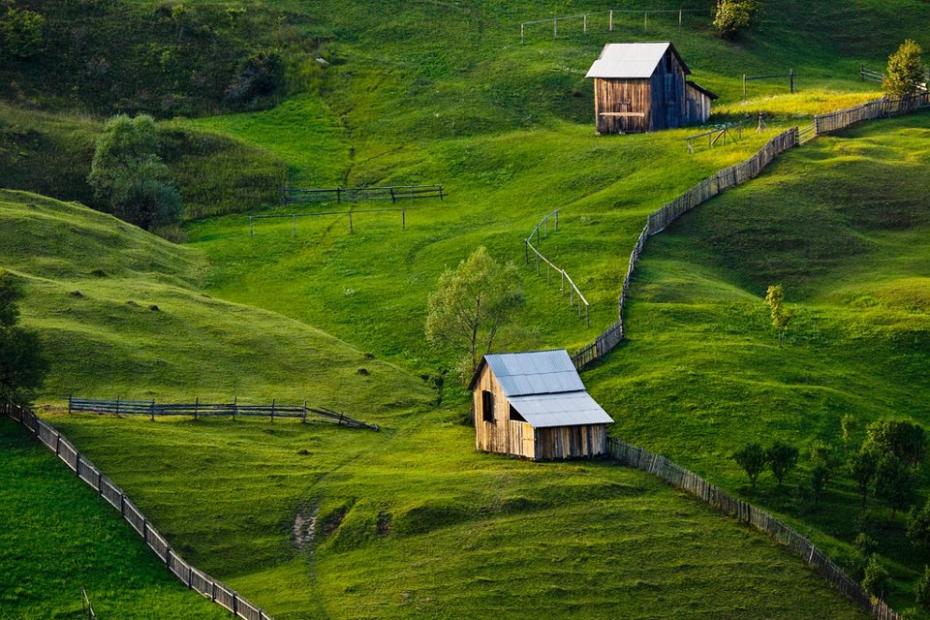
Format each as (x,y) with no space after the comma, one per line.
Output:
(91,281)
(432,529)
(843,225)
(74,541)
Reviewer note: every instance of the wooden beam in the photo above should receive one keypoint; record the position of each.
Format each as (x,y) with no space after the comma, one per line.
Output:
(625,114)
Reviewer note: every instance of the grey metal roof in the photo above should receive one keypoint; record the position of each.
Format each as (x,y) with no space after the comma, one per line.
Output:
(630,60)
(566,409)
(540,372)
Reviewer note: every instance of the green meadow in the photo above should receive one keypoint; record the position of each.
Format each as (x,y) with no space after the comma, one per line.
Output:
(317,521)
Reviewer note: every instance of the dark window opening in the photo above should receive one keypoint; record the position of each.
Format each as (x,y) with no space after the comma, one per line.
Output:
(515,415)
(487,405)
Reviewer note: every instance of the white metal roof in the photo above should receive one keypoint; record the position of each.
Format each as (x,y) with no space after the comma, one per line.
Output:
(566,409)
(628,60)
(540,372)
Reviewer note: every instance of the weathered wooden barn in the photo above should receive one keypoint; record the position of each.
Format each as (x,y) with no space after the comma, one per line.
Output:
(534,405)
(642,87)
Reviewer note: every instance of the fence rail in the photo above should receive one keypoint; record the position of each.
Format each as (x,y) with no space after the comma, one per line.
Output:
(198,409)
(394,193)
(85,470)
(731,177)
(677,476)
(541,231)
(588,19)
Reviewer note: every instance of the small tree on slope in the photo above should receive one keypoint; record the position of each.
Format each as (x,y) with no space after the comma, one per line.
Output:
(22,366)
(751,458)
(128,175)
(472,303)
(906,71)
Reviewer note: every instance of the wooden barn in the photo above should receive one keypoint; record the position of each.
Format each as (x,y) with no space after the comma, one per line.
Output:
(534,405)
(642,87)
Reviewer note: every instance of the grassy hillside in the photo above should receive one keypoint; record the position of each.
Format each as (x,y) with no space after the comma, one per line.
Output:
(120,312)
(842,224)
(51,154)
(59,537)
(412,523)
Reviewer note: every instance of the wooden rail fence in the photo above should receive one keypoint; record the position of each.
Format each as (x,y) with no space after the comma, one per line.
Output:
(731,177)
(744,512)
(540,231)
(85,470)
(198,409)
(394,193)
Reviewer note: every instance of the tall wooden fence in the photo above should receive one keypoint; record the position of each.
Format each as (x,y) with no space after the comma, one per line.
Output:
(84,469)
(744,512)
(198,409)
(731,177)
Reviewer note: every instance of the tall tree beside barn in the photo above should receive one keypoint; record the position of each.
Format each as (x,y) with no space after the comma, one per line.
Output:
(906,72)
(472,303)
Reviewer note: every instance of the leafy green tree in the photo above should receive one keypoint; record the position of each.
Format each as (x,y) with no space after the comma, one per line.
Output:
(471,305)
(905,440)
(751,458)
(22,32)
(733,16)
(22,365)
(906,72)
(820,477)
(128,175)
(876,577)
(895,482)
(862,468)
(918,526)
(774,299)
(781,458)
(922,589)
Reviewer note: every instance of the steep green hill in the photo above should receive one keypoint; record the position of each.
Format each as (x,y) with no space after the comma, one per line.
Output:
(58,537)
(843,225)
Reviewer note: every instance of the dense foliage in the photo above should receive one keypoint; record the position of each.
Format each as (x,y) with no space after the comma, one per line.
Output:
(128,175)
(734,16)
(906,72)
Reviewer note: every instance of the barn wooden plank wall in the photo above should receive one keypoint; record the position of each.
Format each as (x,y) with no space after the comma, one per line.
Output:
(568,442)
(744,512)
(730,177)
(190,576)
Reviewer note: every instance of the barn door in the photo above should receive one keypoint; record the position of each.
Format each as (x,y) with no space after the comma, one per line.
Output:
(672,111)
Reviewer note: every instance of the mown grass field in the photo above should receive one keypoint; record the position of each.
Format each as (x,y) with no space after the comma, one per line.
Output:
(58,537)
(411,522)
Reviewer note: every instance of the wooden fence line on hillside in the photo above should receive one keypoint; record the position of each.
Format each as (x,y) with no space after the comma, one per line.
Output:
(731,177)
(394,193)
(744,512)
(573,290)
(198,409)
(85,470)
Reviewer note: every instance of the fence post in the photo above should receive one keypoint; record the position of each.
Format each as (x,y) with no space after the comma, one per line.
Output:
(196,406)
(152,410)
(77,464)
(680,11)
(645,21)
(555,27)
(585,23)
(303,417)
(610,21)
(744,87)
(393,197)
(338,195)
(293,225)
(556,220)
(403,218)
(122,504)
(350,222)
(70,396)
(235,405)
(272,410)
(862,73)
(791,79)
(521,34)
(117,405)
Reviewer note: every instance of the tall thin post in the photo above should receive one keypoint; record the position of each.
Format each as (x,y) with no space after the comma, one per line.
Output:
(152,410)
(556,220)
(293,225)
(69,402)
(117,405)
(251,228)
(744,87)
(303,417)
(196,406)
(272,410)
(555,27)
(645,21)
(610,21)
(586,23)
(791,79)
(403,218)
(350,222)
(680,11)
(521,34)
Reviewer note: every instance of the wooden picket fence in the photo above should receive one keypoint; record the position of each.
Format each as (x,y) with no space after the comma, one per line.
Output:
(744,512)
(190,576)
(731,177)
(199,409)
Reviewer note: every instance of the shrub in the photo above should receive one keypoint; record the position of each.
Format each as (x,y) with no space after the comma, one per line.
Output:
(733,16)
(751,458)
(903,439)
(875,578)
(905,71)
(21,32)
(261,75)
(918,526)
(862,469)
(895,481)
(922,589)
